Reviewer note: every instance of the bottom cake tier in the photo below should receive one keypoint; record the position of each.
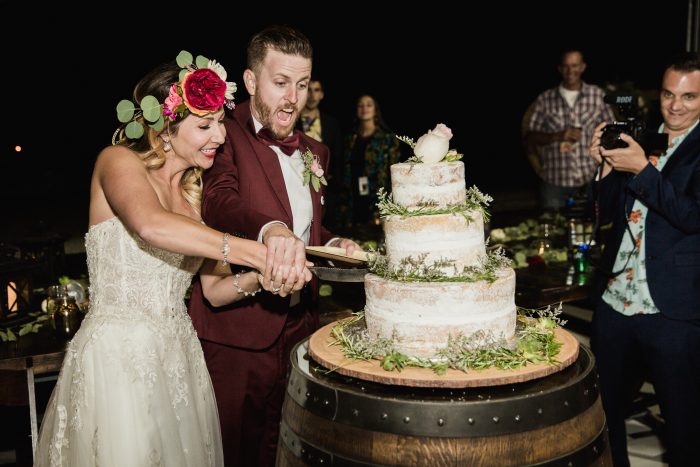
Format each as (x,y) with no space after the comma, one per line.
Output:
(421,316)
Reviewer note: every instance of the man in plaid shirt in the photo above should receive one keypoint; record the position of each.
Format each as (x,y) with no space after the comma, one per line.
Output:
(561,126)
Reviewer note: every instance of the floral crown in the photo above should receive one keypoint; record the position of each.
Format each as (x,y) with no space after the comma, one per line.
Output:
(202,89)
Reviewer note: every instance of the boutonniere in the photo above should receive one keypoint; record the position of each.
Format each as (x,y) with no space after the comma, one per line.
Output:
(312,171)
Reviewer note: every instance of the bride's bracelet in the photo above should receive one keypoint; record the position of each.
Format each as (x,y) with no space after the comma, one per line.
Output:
(225,249)
(238,288)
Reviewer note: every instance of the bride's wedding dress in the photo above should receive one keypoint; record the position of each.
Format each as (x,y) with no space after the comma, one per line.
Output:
(134,388)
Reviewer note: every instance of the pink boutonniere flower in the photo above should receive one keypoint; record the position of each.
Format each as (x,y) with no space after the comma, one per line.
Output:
(312,171)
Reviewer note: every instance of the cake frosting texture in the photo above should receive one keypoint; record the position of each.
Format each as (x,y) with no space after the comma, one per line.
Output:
(422,316)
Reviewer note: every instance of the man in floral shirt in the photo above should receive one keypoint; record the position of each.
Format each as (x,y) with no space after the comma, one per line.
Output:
(561,126)
(647,323)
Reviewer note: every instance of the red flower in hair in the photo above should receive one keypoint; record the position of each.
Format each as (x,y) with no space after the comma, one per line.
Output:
(203,91)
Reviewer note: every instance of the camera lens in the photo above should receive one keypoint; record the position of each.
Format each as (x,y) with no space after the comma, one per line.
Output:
(610,139)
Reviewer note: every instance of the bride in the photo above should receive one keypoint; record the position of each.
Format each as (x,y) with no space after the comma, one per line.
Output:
(134,389)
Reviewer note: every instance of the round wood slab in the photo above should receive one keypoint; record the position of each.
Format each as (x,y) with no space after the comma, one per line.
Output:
(331,357)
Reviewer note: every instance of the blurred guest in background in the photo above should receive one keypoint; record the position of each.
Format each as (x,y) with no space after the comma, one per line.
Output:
(371,148)
(560,127)
(647,324)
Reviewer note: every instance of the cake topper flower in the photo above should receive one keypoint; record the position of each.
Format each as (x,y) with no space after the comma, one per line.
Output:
(202,89)
(432,147)
(312,170)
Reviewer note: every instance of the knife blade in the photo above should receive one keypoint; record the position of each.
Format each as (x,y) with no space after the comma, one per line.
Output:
(339,274)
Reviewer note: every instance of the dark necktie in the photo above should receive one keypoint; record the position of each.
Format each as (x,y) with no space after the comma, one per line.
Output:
(287,145)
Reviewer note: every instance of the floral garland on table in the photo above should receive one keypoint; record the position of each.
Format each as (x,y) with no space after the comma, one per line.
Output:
(38,321)
(202,89)
(535,344)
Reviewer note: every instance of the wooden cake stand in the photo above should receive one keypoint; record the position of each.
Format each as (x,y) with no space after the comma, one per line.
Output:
(331,357)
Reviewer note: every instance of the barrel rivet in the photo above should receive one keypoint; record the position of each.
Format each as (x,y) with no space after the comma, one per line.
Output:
(540,411)
(406,419)
(385,416)
(355,412)
(470,421)
(517,418)
(441,422)
(326,402)
(595,449)
(496,419)
(570,464)
(308,394)
(566,403)
(585,392)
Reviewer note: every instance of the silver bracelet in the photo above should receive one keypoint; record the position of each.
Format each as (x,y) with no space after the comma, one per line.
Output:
(240,290)
(225,249)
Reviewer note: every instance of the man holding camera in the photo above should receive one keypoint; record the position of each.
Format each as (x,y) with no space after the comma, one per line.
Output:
(647,324)
(561,126)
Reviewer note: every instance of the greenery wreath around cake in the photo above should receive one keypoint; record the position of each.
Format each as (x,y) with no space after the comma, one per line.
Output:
(534,344)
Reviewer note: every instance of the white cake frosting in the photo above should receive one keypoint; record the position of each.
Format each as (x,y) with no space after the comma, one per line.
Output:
(416,185)
(441,237)
(421,316)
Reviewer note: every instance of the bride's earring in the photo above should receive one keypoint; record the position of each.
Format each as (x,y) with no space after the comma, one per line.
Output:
(167,146)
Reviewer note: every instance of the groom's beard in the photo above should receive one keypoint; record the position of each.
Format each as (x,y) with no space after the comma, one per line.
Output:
(266,117)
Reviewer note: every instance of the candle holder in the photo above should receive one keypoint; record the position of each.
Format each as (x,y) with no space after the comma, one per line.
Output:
(15,289)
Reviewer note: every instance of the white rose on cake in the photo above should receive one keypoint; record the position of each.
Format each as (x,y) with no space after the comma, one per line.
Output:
(433,146)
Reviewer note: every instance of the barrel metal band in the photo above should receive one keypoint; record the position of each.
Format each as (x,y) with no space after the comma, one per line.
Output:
(312,455)
(417,417)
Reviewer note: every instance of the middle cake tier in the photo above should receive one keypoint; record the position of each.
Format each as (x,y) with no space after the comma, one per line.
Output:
(456,240)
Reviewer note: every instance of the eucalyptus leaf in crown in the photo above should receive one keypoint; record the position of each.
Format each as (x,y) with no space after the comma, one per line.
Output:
(202,88)
(432,147)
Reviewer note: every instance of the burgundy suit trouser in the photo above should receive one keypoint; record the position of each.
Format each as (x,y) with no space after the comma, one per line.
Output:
(250,386)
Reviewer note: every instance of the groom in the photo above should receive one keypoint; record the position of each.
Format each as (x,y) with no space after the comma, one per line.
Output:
(256,189)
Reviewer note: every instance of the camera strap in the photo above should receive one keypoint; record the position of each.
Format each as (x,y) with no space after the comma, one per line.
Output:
(596,229)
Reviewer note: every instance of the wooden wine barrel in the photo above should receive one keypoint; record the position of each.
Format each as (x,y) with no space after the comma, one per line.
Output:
(334,420)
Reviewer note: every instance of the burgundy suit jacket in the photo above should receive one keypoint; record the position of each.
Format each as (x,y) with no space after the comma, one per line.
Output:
(243,191)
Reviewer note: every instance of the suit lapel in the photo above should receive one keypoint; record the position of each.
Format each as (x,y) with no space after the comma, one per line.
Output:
(683,154)
(315,236)
(267,159)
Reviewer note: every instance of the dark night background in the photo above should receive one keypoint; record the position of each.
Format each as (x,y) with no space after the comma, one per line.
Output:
(424,66)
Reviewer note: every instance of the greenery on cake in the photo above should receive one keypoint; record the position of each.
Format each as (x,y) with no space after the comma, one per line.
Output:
(475,200)
(535,344)
(412,269)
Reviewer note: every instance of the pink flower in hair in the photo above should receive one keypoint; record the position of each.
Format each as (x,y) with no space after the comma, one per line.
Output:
(172,102)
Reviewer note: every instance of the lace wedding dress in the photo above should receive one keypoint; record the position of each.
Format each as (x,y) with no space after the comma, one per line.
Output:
(134,389)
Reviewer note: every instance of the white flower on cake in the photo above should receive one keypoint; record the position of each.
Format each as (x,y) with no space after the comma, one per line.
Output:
(432,147)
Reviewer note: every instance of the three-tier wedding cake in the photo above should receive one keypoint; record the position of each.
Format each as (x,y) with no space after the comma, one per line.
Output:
(437,281)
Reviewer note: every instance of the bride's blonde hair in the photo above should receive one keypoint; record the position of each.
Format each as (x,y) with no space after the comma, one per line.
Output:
(173,102)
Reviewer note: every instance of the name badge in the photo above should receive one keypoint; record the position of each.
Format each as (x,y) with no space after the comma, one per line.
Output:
(363,186)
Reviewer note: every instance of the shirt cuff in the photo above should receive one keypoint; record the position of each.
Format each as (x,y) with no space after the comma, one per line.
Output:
(264,228)
(333,240)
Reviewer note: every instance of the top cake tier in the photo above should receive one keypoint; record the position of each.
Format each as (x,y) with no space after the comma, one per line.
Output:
(418,185)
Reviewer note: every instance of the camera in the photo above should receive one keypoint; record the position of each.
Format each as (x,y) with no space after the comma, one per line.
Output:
(633,125)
